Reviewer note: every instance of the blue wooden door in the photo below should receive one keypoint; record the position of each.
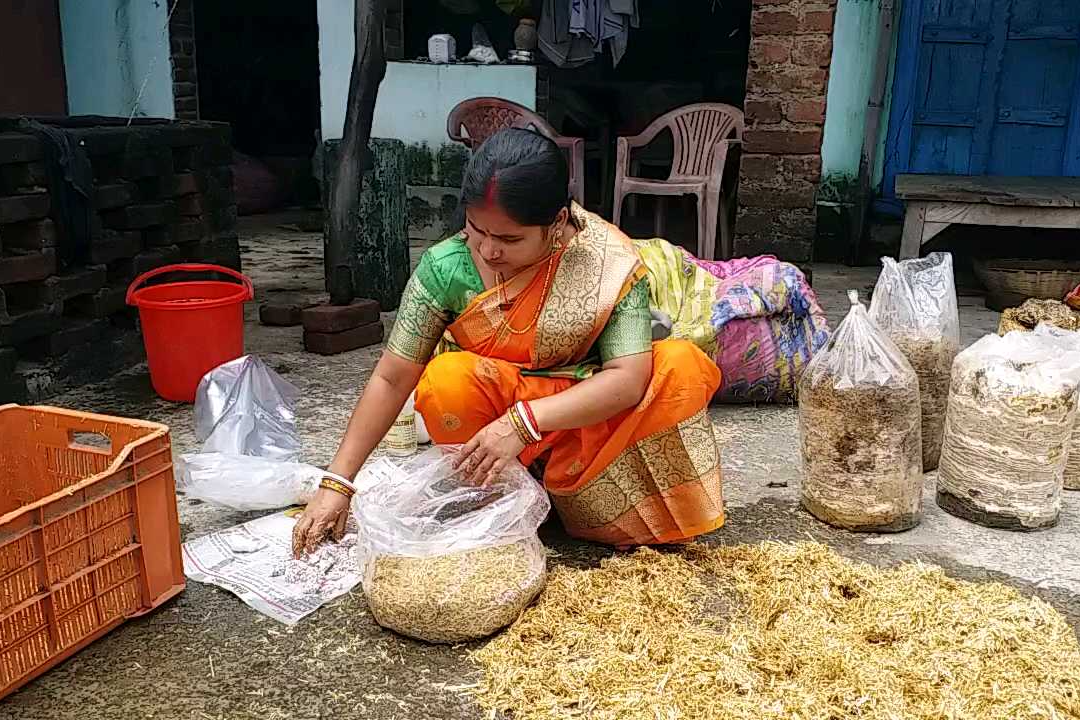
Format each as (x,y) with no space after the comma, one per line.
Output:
(986,87)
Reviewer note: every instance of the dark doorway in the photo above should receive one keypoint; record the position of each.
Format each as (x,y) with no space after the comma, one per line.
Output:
(31,59)
(258,64)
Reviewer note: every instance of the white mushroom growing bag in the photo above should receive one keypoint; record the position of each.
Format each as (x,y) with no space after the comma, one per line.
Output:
(1011,416)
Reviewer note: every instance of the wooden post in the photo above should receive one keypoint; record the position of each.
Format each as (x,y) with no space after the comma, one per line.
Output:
(368,70)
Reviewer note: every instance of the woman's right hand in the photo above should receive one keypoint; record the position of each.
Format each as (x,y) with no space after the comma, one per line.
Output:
(324,517)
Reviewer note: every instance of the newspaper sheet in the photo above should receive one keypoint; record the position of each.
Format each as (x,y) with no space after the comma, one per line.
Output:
(254,562)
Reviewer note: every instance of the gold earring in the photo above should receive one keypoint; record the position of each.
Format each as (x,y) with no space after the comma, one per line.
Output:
(556,242)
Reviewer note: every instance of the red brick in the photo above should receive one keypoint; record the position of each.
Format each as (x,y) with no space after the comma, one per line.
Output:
(19,148)
(27,268)
(281,314)
(795,249)
(107,301)
(783,142)
(790,195)
(29,235)
(804,167)
(23,175)
(336,318)
(58,288)
(114,246)
(115,195)
(775,22)
(182,233)
(16,329)
(762,167)
(770,51)
(137,217)
(764,111)
(787,78)
(805,111)
(339,342)
(812,51)
(16,208)
(817,21)
(190,205)
(184,183)
(71,334)
(765,221)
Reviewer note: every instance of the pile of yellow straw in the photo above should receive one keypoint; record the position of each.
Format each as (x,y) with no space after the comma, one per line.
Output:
(779,631)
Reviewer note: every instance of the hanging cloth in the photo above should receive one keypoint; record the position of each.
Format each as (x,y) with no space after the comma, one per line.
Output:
(71,182)
(572,32)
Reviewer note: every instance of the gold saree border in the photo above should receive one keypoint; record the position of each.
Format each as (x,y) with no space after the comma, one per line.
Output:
(680,455)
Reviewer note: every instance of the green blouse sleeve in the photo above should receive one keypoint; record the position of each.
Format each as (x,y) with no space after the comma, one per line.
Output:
(422,317)
(629,330)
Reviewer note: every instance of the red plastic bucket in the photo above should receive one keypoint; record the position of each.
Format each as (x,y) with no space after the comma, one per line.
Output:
(189,328)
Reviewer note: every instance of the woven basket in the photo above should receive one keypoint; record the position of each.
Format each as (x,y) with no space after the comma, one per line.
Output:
(1043,279)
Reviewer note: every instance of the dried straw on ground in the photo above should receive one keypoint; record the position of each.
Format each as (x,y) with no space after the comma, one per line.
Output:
(455,597)
(812,636)
(932,359)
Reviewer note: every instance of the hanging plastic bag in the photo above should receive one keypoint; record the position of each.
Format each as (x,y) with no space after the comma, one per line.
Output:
(245,408)
(914,302)
(246,483)
(859,426)
(444,560)
(1010,419)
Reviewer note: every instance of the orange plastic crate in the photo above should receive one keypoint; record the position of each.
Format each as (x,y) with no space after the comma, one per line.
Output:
(89,534)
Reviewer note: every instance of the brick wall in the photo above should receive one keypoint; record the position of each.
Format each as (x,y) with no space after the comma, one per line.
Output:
(790,50)
(162,194)
(185,78)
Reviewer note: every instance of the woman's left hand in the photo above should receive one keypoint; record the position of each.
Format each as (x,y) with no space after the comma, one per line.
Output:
(490,450)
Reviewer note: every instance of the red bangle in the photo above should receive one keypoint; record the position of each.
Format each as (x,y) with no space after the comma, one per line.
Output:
(532,418)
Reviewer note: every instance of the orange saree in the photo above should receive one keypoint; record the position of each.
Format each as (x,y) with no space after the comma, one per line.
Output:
(650,474)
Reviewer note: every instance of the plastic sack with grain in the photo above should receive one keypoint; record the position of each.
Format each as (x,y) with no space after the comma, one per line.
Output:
(444,560)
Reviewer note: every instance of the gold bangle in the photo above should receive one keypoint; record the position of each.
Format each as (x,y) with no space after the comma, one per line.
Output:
(519,426)
(331,484)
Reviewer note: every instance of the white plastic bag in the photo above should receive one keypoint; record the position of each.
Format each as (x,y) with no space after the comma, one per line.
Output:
(444,560)
(1070,340)
(1011,416)
(246,483)
(914,302)
(859,425)
(245,408)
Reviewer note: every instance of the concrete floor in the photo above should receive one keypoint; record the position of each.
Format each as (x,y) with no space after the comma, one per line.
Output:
(206,656)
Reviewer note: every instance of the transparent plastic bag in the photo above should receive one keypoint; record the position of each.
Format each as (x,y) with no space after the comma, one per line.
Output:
(914,302)
(246,483)
(860,430)
(444,560)
(245,408)
(1011,417)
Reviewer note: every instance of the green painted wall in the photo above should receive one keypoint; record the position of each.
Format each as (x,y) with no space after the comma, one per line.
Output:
(851,73)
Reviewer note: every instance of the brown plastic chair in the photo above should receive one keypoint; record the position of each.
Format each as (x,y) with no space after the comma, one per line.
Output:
(482,117)
(703,134)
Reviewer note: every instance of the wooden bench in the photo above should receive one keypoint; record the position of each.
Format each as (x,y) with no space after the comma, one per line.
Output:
(934,202)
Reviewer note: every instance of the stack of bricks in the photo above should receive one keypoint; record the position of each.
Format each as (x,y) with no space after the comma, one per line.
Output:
(334,329)
(182,45)
(162,194)
(790,52)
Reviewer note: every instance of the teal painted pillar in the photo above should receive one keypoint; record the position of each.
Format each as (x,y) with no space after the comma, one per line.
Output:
(855,52)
